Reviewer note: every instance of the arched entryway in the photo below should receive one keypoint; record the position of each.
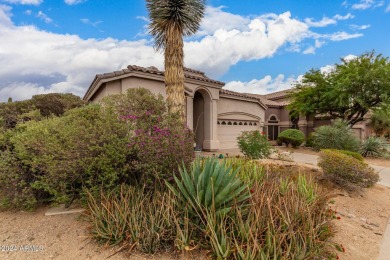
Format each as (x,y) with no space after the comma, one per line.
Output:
(273,128)
(201,118)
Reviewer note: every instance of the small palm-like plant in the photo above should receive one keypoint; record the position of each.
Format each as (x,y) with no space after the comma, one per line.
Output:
(170,20)
(209,186)
(374,147)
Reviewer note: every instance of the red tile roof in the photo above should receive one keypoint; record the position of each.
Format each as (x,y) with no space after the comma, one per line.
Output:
(279,94)
(243,95)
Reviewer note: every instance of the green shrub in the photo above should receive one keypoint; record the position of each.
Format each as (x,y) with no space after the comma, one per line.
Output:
(254,145)
(347,171)
(128,139)
(56,157)
(37,108)
(309,141)
(292,136)
(142,219)
(338,136)
(357,156)
(374,147)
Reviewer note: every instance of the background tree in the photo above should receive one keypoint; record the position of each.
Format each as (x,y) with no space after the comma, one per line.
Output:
(39,106)
(349,91)
(170,20)
(380,120)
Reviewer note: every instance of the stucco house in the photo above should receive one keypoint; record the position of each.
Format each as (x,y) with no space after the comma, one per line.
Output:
(216,116)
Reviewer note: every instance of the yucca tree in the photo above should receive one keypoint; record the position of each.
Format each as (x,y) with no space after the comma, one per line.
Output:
(170,20)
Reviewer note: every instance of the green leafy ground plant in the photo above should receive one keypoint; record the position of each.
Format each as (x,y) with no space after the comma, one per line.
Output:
(254,144)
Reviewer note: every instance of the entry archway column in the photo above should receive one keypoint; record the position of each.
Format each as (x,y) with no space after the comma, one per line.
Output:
(190,112)
(211,142)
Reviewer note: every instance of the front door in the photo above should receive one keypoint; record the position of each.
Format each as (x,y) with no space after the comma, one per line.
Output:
(273,132)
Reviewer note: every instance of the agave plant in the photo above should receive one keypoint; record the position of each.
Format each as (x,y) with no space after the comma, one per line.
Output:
(210,185)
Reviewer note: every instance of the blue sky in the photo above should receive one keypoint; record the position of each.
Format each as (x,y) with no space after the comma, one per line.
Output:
(253,46)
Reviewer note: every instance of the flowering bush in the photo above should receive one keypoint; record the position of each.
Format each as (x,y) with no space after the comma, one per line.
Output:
(254,144)
(160,149)
(158,142)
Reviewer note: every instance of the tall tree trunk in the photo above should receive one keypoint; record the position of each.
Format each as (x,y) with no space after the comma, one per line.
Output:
(174,71)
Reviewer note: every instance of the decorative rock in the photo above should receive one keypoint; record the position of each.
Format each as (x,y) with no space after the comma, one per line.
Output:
(367,227)
(363,219)
(343,193)
(373,224)
(61,210)
(351,215)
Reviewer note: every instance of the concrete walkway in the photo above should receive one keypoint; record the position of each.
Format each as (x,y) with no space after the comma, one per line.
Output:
(384,174)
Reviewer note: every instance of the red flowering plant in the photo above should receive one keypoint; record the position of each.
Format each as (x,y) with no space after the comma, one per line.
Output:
(160,148)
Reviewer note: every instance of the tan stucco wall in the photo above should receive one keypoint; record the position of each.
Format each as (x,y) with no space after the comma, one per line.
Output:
(226,105)
(157,87)
(99,94)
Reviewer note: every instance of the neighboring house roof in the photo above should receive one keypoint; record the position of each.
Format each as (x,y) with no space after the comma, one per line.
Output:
(269,102)
(188,74)
(243,95)
(279,94)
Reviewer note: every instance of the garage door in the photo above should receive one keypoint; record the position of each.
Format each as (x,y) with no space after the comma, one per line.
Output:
(228,131)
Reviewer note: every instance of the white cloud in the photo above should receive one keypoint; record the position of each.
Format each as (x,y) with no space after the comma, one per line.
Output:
(49,62)
(387,9)
(89,22)
(265,35)
(318,43)
(215,18)
(327,69)
(359,27)
(41,62)
(366,4)
(268,85)
(325,21)
(28,12)
(263,86)
(310,50)
(24,2)
(342,36)
(345,17)
(350,57)
(74,2)
(5,20)
(44,17)
(363,4)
